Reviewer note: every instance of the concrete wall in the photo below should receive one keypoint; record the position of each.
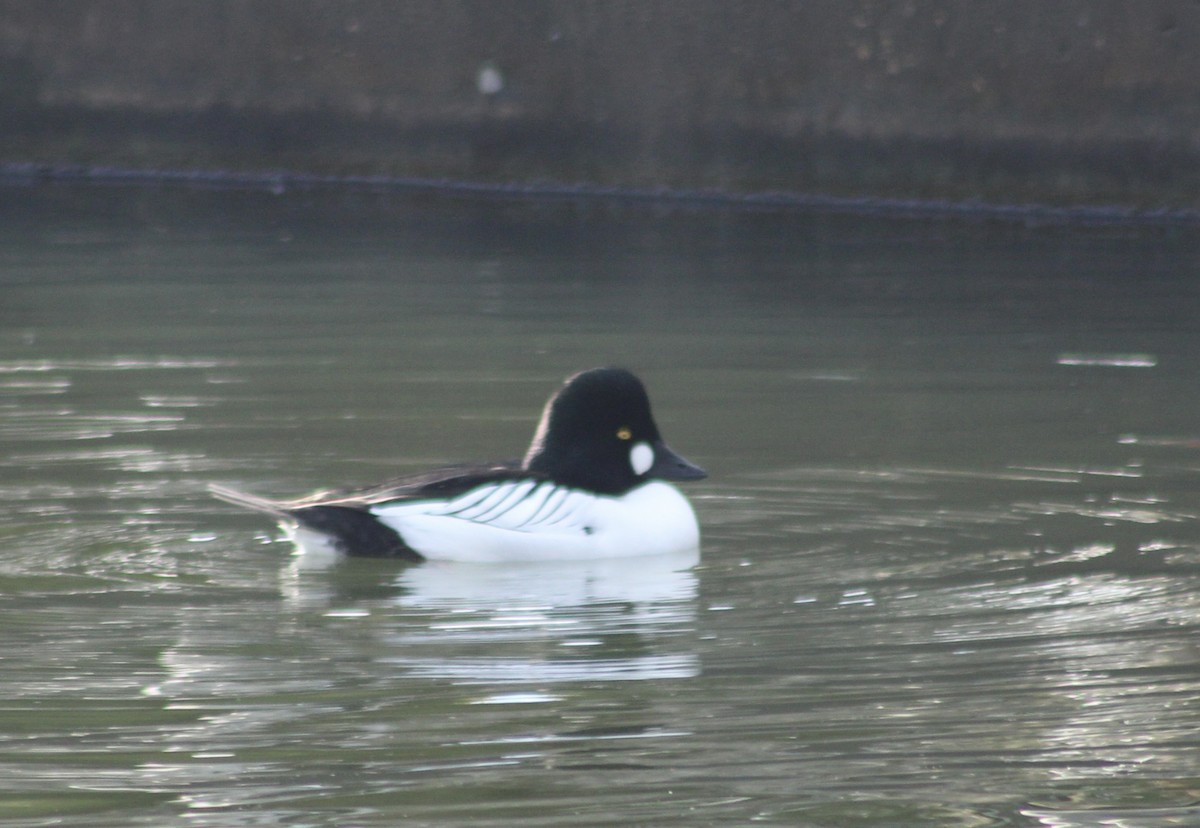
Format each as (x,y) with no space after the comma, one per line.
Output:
(1050,100)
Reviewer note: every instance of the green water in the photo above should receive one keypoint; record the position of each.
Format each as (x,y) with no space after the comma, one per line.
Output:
(950,572)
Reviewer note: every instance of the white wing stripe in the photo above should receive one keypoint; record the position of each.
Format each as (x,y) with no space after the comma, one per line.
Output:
(467,500)
(476,506)
(565,511)
(535,501)
(514,498)
(555,495)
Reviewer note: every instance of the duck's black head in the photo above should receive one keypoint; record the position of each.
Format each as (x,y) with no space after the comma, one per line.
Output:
(597,433)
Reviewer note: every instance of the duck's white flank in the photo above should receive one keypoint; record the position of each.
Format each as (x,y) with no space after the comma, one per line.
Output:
(527,520)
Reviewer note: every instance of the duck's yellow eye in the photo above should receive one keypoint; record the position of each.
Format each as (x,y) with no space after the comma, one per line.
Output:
(624,433)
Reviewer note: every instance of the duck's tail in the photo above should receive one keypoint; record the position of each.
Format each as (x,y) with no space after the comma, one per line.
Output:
(248,501)
(352,530)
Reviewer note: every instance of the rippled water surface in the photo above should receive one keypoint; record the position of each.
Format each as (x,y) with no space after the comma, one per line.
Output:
(950,572)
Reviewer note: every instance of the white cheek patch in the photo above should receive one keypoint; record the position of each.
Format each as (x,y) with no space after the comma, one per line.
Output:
(641,458)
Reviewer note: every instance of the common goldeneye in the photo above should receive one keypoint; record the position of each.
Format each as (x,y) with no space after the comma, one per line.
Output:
(590,486)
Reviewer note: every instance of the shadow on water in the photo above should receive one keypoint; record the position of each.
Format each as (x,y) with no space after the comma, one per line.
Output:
(950,560)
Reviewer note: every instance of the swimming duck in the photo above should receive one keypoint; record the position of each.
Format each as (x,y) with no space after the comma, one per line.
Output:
(591,485)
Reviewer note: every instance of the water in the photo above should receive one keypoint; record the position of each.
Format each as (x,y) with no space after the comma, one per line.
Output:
(950,572)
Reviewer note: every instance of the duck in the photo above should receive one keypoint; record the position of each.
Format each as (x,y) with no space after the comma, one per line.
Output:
(595,483)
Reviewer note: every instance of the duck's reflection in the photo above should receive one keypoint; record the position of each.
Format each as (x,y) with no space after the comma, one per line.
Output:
(640,580)
(527,623)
